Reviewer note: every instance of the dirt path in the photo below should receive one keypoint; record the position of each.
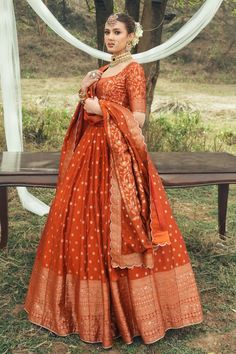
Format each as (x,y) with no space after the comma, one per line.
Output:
(211,100)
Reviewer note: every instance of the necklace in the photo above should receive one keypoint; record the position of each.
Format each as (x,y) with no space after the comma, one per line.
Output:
(116,59)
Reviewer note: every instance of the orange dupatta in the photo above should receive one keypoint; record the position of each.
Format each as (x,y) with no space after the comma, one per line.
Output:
(137,220)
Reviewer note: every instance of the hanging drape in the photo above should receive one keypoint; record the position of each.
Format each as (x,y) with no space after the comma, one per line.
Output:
(11,95)
(10,67)
(179,40)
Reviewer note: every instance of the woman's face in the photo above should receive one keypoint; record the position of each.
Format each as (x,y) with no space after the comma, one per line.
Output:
(116,37)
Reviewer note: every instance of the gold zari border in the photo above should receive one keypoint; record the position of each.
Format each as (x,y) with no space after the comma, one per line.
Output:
(100,310)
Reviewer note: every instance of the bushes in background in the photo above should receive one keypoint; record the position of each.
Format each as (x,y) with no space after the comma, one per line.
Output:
(177,128)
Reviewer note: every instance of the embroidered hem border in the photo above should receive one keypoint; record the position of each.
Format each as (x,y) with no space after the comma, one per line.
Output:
(147,306)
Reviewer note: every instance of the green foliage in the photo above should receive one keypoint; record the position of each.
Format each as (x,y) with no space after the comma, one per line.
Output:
(212,258)
(183,4)
(226,137)
(45,126)
(169,131)
(180,131)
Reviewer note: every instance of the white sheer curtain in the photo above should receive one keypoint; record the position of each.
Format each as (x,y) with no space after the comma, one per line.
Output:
(183,37)
(11,95)
(10,67)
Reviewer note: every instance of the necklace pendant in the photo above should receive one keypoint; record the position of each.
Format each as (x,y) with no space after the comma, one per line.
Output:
(120,58)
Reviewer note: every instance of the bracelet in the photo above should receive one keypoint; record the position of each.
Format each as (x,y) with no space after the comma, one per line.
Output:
(82,95)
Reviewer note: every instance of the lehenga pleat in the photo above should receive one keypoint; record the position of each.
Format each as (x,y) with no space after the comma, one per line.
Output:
(73,286)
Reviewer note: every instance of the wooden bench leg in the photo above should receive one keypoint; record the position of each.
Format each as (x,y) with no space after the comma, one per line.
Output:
(223,192)
(3,217)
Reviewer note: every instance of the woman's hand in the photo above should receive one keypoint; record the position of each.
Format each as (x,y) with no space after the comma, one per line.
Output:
(140,118)
(91,105)
(88,80)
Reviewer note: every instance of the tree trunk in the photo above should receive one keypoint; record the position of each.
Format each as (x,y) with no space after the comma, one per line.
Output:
(132,7)
(104,8)
(152,18)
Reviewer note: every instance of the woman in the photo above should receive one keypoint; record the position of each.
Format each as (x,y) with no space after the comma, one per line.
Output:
(111,261)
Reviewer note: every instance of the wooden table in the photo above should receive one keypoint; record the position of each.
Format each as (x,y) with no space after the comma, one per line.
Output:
(177,169)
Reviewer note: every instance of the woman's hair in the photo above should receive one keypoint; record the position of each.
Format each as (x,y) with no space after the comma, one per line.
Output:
(127,20)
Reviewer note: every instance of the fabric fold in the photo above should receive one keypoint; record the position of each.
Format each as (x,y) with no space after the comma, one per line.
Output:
(100,270)
(138,224)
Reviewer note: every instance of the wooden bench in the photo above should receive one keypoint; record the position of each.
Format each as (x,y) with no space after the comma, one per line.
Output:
(177,169)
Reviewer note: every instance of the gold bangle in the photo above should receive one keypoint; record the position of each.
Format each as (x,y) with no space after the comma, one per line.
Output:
(81,93)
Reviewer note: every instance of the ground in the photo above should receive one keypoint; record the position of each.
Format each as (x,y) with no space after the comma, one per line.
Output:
(213,258)
(216,102)
(188,77)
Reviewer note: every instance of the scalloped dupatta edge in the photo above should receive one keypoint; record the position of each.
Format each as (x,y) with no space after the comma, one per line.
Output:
(143,206)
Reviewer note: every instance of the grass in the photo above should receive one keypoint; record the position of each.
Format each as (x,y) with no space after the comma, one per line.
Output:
(216,103)
(213,261)
(195,209)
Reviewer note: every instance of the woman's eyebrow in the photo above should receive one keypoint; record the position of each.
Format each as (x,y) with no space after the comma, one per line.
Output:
(107,29)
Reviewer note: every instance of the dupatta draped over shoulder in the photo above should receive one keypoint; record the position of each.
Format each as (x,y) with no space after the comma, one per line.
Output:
(138,222)
(111,260)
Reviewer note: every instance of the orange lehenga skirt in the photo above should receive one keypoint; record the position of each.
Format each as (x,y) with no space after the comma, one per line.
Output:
(111,260)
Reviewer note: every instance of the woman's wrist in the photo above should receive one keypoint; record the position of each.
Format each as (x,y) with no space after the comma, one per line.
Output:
(82,95)
(99,110)
(83,86)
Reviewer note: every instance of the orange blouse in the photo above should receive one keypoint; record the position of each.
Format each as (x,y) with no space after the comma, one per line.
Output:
(127,88)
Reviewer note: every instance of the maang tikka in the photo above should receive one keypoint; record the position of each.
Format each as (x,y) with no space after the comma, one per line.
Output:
(112,19)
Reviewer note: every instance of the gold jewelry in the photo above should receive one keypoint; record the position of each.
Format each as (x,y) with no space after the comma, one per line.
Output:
(128,46)
(82,95)
(112,19)
(92,74)
(116,59)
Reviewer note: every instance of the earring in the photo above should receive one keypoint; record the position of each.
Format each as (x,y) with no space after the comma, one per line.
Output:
(128,46)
